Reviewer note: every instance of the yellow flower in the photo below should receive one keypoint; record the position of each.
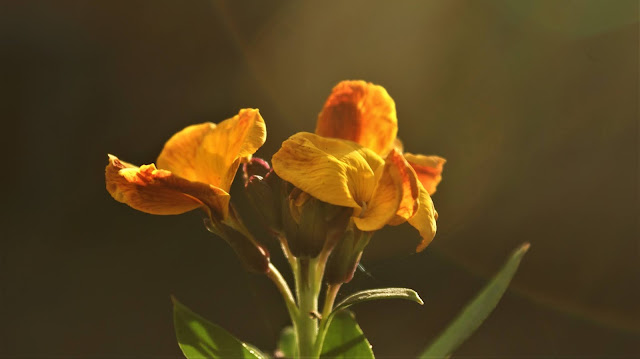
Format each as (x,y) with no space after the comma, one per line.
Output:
(195,168)
(342,173)
(368,172)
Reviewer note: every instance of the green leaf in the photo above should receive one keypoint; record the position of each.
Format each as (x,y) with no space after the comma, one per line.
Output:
(287,343)
(345,339)
(380,293)
(476,311)
(198,338)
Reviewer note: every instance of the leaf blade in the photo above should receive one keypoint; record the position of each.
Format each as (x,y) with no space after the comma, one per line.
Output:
(345,339)
(476,311)
(287,344)
(379,293)
(199,338)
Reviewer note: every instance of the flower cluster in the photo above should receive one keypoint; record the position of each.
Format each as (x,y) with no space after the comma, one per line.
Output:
(353,160)
(324,196)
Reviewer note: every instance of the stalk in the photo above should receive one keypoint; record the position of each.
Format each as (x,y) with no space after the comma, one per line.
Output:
(330,297)
(283,287)
(306,323)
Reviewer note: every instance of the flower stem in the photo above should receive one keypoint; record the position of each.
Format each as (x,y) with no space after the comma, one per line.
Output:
(283,287)
(306,323)
(330,297)
(287,253)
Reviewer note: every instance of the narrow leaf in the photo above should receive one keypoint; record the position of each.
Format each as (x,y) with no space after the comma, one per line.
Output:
(476,311)
(380,293)
(287,343)
(345,339)
(198,338)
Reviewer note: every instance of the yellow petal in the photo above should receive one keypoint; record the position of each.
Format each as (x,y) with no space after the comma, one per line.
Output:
(361,112)
(155,191)
(335,171)
(410,192)
(428,169)
(425,219)
(210,153)
(383,206)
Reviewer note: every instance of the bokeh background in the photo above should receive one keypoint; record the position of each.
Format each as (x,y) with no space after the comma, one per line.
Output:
(533,103)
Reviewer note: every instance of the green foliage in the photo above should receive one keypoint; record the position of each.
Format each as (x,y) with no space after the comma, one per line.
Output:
(345,339)
(198,338)
(380,293)
(287,343)
(476,311)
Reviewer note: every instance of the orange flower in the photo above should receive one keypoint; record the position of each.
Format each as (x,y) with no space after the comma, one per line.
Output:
(349,174)
(365,113)
(342,173)
(196,168)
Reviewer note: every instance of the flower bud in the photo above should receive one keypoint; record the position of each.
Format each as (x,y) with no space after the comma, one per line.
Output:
(311,225)
(262,197)
(253,256)
(255,167)
(346,255)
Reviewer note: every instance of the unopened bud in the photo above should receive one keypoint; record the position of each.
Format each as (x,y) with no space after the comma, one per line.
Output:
(264,195)
(346,256)
(312,225)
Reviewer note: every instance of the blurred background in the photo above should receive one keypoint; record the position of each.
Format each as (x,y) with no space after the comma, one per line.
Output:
(533,103)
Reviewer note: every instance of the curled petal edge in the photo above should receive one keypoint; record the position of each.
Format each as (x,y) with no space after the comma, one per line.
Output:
(161,192)
(410,191)
(428,169)
(425,219)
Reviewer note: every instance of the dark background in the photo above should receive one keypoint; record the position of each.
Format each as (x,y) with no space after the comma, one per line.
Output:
(533,103)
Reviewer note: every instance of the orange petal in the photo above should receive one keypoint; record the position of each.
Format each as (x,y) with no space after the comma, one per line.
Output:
(210,153)
(335,171)
(361,112)
(425,219)
(410,192)
(155,191)
(428,169)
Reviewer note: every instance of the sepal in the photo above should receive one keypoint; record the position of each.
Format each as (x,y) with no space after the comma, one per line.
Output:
(346,255)
(252,254)
(311,225)
(263,199)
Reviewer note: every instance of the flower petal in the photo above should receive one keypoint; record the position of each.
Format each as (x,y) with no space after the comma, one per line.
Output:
(428,169)
(335,171)
(210,153)
(361,112)
(410,192)
(155,191)
(425,219)
(385,201)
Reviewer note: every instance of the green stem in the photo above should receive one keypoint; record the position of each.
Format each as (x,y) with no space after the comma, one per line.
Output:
(283,287)
(306,323)
(330,298)
(287,253)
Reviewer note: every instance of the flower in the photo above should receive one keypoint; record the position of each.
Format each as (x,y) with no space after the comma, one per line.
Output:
(196,168)
(342,173)
(354,159)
